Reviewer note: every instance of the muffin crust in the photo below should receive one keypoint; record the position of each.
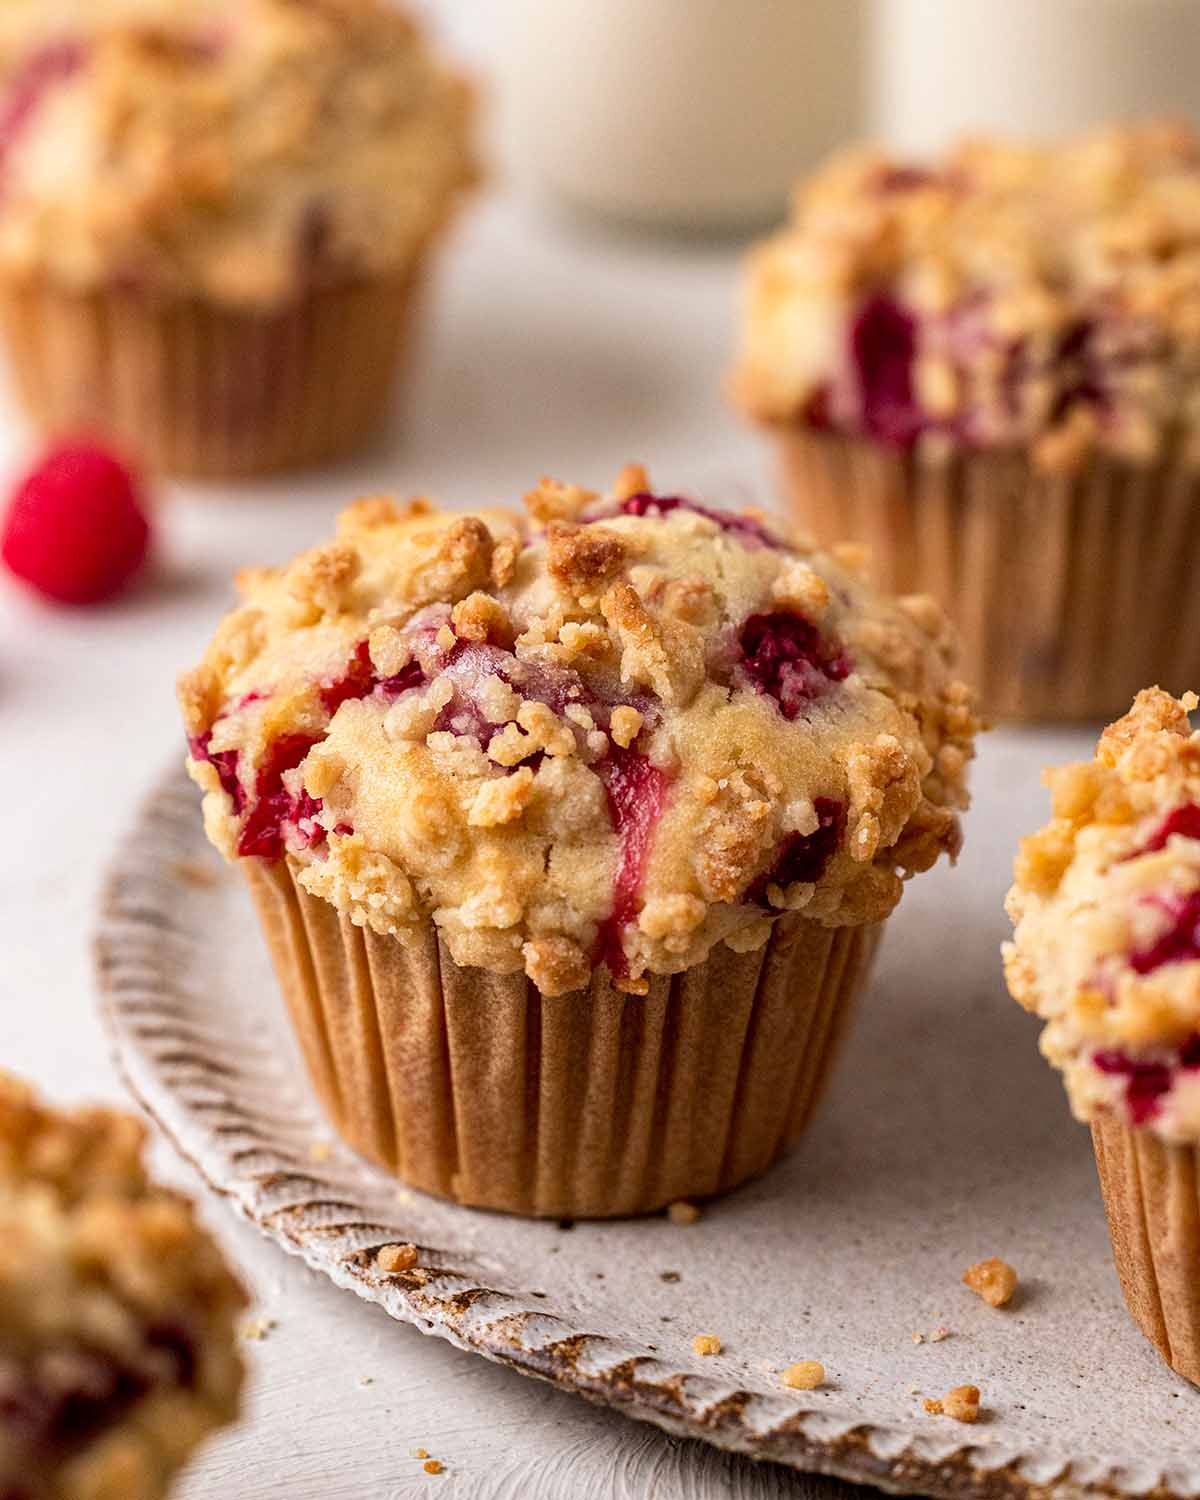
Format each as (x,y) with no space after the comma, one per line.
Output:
(1039,297)
(617,731)
(1107,912)
(117,1344)
(240,152)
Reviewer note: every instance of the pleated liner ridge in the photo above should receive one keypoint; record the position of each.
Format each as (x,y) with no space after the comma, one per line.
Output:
(474,1087)
(1152,1199)
(1070,592)
(187,387)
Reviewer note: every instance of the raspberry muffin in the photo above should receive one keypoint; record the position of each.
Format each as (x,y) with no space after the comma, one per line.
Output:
(988,369)
(215,219)
(572,835)
(1107,950)
(117,1345)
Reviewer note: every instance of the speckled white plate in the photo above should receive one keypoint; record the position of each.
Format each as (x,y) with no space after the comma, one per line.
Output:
(944,1140)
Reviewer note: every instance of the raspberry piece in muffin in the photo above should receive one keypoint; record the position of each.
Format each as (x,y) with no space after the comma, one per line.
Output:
(614,735)
(117,1342)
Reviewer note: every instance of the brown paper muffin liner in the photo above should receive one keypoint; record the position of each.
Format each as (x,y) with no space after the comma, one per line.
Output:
(475,1087)
(191,388)
(1071,592)
(1152,1199)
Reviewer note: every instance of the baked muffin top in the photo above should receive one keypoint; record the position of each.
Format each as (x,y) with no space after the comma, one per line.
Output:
(1107,912)
(1044,297)
(618,730)
(117,1341)
(241,150)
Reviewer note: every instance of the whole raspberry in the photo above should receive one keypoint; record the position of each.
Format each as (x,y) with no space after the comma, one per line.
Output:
(75,529)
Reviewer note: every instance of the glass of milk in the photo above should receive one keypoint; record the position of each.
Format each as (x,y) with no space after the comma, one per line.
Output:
(941,68)
(680,114)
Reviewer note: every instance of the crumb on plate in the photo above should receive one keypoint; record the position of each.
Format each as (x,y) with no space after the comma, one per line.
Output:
(392,1258)
(994,1280)
(805,1375)
(706,1343)
(961,1404)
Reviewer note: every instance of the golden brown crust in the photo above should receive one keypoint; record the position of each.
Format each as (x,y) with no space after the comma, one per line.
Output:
(110,1290)
(238,152)
(1101,905)
(1040,297)
(565,758)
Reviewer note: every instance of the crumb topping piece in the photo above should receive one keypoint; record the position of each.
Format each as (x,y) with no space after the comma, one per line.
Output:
(393,1258)
(805,1375)
(243,152)
(961,1404)
(117,1314)
(994,1280)
(1043,297)
(1106,908)
(668,727)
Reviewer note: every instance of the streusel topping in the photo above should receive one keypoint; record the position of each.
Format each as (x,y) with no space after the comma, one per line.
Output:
(117,1346)
(618,731)
(240,151)
(1008,295)
(1107,912)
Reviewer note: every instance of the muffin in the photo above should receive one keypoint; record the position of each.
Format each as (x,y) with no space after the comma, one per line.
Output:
(117,1343)
(1107,950)
(216,218)
(572,836)
(988,370)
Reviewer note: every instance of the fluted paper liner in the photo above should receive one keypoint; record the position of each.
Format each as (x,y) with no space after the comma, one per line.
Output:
(475,1087)
(1152,1200)
(1071,592)
(188,387)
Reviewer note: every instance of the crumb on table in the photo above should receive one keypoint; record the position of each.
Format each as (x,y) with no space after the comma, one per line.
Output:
(706,1343)
(961,1404)
(418,1453)
(392,1258)
(433,1466)
(681,1212)
(994,1280)
(805,1375)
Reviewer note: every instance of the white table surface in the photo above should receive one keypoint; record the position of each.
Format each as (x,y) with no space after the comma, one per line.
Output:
(553,348)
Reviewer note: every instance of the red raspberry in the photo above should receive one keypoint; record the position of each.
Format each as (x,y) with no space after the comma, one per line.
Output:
(76,530)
